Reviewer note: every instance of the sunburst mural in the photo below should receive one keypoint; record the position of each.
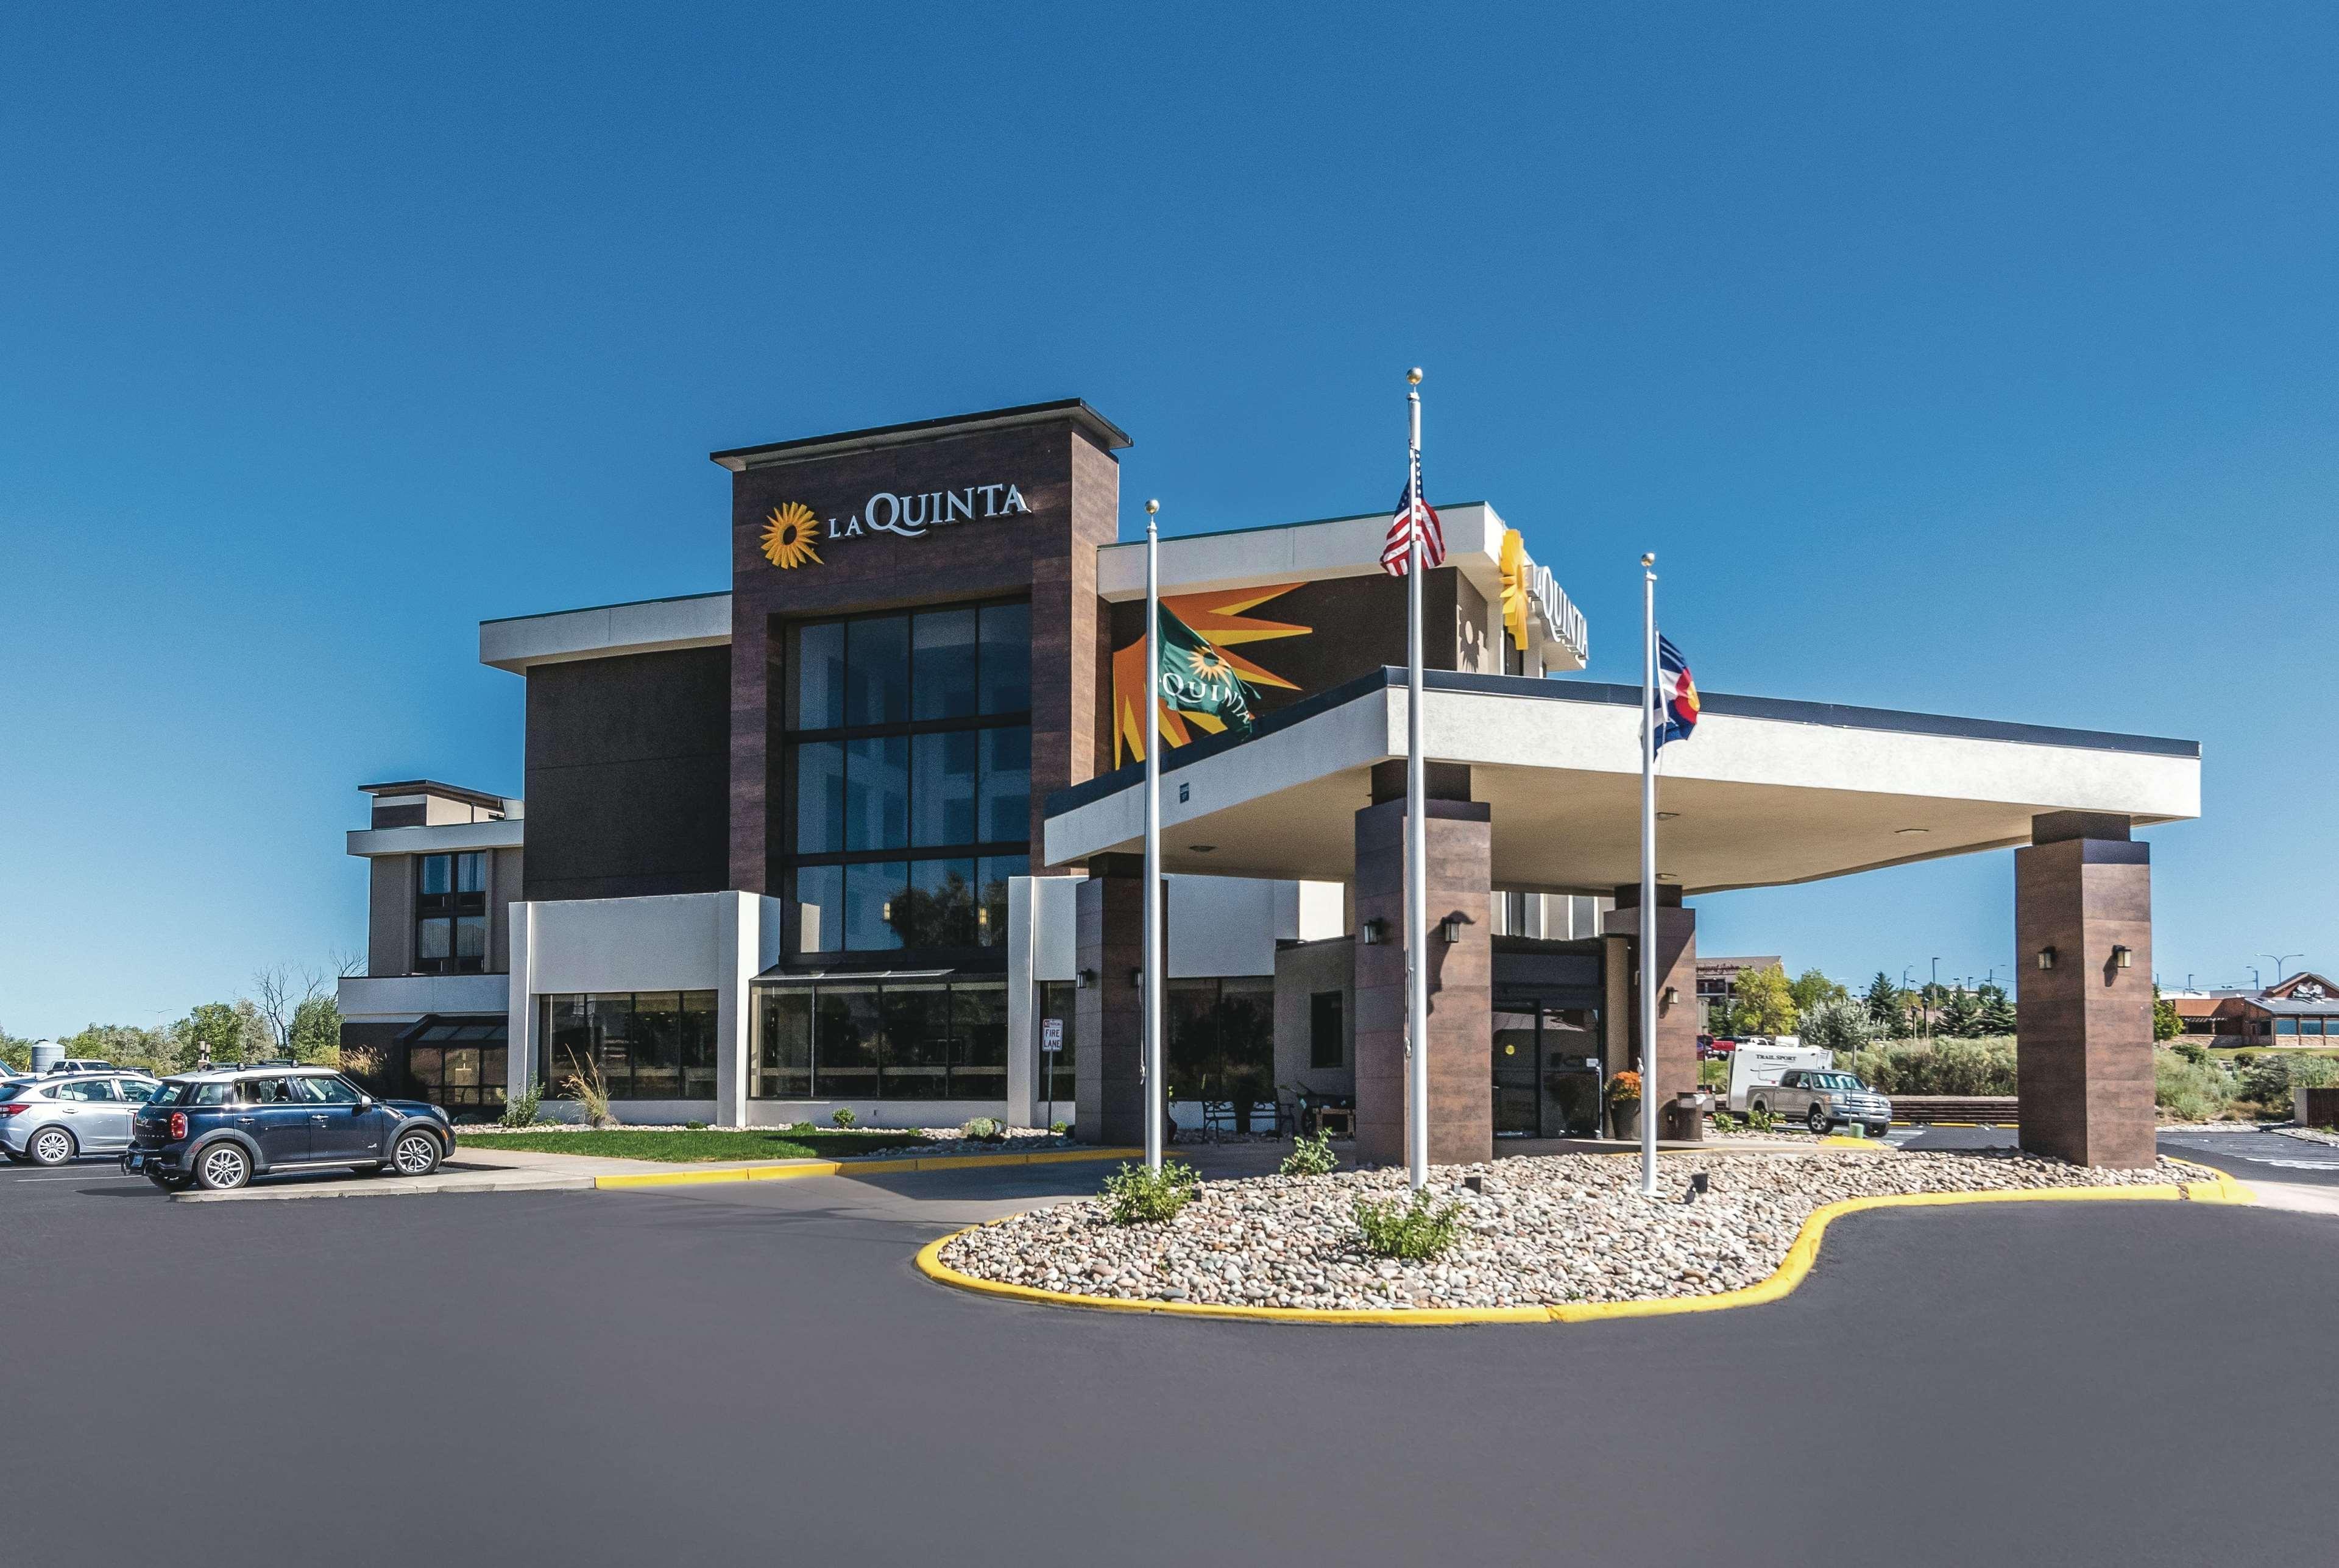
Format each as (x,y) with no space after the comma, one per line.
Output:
(1218,622)
(788,536)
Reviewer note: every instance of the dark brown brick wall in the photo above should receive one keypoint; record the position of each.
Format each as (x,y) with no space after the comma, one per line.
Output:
(1071,486)
(1676,967)
(1110,1043)
(1458,838)
(2083,1030)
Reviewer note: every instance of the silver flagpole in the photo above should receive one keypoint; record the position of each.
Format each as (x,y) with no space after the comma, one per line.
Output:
(1416,840)
(1156,1091)
(1648,876)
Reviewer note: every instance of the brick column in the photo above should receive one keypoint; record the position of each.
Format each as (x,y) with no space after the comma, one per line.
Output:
(2084,1029)
(1676,1055)
(1458,834)
(1108,1046)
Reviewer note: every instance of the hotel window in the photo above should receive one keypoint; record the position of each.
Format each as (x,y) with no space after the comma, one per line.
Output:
(1221,1040)
(646,1045)
(1326,1042)
(909,771)
(896,1039)
(450,913)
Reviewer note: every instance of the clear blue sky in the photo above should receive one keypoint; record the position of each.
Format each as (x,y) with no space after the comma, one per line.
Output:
(1976,360)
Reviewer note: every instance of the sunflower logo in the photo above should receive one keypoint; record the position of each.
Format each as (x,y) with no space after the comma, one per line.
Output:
(1210,667)
(788,535)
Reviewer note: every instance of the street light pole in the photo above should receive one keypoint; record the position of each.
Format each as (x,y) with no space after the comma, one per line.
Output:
(2279,960)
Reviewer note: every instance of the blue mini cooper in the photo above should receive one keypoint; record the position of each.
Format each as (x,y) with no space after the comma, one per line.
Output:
(221,1128)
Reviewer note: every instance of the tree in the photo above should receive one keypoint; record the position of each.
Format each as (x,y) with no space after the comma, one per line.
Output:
(228,1032)
(1960,1015)
(1811,988)
(1761,1002)
(2166,1024)
(315,1036)
(1997,1011)
(1838,1024)
(1882,1002)
(16,1052)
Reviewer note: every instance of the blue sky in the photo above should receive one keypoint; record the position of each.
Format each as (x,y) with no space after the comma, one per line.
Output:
(1978,361)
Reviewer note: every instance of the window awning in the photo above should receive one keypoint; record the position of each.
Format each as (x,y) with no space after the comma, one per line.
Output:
(458,1029)
(777,975)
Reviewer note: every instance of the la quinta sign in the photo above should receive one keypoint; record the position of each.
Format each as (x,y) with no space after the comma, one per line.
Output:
(793,531)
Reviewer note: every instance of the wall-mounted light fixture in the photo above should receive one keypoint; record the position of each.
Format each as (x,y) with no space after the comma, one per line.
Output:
(1137,979)
(2122,957)
(1673,995)
(1083,978)
(1450,928)
(2046,958)
(1375,932)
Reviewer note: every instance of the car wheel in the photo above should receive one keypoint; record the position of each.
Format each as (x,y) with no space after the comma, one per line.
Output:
(1817,1119)
(415,1154)
(224,1166)
(1758,1108)
(52,1146)
(1880,1129)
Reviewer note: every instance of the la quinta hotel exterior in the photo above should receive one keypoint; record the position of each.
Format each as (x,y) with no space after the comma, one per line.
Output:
(846,832)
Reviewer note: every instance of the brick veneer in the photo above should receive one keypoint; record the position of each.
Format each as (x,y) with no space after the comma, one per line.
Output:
(2084,1029)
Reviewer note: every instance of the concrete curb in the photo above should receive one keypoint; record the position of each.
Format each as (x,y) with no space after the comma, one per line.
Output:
(854,1167)
(390,1186)
(1782,1283)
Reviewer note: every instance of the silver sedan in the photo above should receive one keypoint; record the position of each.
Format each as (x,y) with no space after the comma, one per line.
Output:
(50,1120)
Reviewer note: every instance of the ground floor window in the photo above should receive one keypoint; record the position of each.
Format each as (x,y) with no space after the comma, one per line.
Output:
(1222,1039)
(881,1040)
(1058,1076)
(1327,1042)
(648,1044)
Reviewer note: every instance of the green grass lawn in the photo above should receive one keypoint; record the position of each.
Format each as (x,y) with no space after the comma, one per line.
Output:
(680,1146)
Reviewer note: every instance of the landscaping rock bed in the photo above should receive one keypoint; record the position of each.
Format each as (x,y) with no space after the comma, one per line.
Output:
(1545,1230)
(939,1141)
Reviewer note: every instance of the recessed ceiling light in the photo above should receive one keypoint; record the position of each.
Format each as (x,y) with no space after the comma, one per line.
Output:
(1202,848)
(1667,815)
(1667,876)
(1905,831)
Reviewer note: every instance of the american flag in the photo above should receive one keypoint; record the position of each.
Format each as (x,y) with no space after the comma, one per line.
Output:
(1413,511)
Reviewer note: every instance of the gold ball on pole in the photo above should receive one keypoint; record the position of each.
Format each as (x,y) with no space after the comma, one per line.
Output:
(1414,375)
(1151,507)
(1649,560)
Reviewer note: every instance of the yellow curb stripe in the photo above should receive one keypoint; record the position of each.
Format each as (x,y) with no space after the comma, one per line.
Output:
(856,1168)
(1782,1281)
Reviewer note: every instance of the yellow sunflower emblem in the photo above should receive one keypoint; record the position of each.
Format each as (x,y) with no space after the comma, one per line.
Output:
(1209,667)
(788,535)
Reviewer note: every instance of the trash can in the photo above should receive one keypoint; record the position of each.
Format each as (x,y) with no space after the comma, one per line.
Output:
(1685,1118)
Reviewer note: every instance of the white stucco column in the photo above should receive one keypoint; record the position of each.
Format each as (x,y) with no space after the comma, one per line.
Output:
(1022,1008)
(519,1029)
(739,943)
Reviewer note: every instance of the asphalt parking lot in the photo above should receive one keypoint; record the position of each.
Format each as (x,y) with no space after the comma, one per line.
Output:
(754,1373)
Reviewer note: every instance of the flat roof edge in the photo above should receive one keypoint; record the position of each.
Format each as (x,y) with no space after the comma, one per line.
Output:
(1075,410)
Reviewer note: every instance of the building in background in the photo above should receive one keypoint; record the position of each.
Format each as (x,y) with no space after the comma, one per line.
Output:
(2303,1011)
(1715,976)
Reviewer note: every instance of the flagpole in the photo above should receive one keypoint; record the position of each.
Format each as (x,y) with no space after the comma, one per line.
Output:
(1417,839)
(1648,875)
(1155,1108)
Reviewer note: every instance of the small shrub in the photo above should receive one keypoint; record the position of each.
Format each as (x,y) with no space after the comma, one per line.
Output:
(1413,1230)
(2188,1090)
(1311,1156)
(1760,1121)
(1136,1195)
(2194,1051)
(2269,1077)
(522,1108)
(1059,1127)
(693,1127)
(801,1126)
(983,1130)
(591,1092)
(842,1116)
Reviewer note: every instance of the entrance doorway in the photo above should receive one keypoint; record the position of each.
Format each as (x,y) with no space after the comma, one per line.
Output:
(1546,1044)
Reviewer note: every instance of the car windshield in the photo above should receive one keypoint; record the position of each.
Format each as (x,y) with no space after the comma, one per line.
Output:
(1838,1081)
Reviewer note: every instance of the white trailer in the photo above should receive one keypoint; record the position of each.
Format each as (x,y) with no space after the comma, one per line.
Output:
(1757,1064)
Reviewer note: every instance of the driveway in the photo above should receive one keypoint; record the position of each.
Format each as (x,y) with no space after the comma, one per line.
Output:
(754,1373)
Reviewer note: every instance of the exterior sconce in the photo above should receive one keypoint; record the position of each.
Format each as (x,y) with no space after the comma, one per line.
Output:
(1450,928)
(2121,957)
(1673,995)
(1375,932)
(1083,978)
(1137,979)
(2046,958)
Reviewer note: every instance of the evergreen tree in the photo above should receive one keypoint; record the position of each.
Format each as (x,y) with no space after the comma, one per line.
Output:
(1960,1015)
(1885,1013)
(1997,1011)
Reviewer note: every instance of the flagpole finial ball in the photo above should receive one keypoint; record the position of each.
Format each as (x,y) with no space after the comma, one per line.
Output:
(1151,507)
(1414,375)
(1649,560)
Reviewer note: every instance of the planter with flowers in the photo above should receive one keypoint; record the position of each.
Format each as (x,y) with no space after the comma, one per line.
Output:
(1624,1105)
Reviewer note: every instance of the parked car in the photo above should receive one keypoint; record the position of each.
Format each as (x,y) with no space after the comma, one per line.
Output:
(221,1128)
(51,1119)
(82,1064)
(1822,1099)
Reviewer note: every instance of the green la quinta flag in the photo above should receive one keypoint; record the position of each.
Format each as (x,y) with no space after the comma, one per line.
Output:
(1198,680)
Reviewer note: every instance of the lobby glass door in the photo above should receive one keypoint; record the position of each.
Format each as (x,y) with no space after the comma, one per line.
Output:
(1546,1071)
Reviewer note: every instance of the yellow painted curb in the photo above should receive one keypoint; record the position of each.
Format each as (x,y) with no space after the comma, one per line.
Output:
(854,1167)
(1782,1281)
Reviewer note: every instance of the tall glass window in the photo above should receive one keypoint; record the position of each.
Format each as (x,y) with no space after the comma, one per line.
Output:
(450,913)
(925,1040)
(909,775)
(644,1045)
